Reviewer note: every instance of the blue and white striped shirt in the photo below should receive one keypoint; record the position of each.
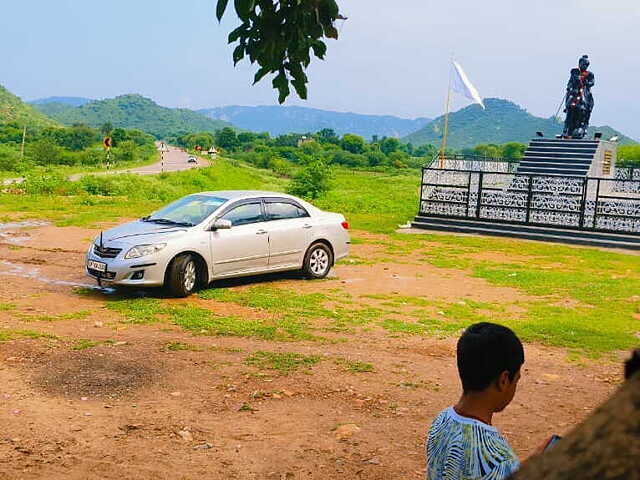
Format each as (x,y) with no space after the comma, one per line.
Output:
(461,448)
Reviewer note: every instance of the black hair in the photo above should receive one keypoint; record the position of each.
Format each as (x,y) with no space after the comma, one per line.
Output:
(632,365)
(485,350)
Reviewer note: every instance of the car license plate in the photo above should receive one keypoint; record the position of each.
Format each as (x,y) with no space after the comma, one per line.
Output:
(99,266)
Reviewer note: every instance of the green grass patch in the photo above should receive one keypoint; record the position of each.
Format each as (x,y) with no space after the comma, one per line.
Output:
(84,344)
(284,363)
(54,318)
(354,366)
(6,335)
(180,346)
(5,307)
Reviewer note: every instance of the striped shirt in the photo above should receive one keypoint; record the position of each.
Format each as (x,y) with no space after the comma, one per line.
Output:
(461,448)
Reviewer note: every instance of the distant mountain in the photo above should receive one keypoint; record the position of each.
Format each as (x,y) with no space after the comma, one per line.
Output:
(278,120)
(12,109)
(134,111)
(72,101)
(502,121)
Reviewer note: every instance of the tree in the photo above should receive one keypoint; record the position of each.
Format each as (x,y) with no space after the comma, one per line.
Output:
(311,181)
(328,135)
(389,145)
(280,36)
(106,128)
(45,152)
(227,139)
(513,150)
(353,143)
(247,137)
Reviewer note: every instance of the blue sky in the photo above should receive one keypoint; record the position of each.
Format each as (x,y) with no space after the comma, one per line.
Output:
(392,57)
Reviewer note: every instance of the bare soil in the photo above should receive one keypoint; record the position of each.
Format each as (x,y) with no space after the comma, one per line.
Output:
(130,408)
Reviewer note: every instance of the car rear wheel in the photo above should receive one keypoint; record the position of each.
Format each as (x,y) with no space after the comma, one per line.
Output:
(317,261)
(182,276)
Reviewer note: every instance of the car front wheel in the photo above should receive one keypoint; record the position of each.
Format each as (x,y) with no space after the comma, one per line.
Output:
(317,261)
(182,276)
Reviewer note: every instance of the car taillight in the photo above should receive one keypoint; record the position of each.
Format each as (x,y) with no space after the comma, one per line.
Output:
(345,225)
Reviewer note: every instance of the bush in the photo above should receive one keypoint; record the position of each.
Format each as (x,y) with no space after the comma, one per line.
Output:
(45,152)
(311,181)
(629,156)
(48,182)
(9,159)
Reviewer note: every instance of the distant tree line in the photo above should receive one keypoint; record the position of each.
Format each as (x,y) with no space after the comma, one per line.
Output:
(78,145)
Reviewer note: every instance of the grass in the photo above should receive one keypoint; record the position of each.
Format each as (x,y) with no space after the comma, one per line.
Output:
(284,363)
(202,321)
(6,335)
(84,344)
(134,195)
(5,307)
(354,366)
(179,346)
(54,318)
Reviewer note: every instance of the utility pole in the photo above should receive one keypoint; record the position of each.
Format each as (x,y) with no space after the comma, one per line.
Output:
(24,136)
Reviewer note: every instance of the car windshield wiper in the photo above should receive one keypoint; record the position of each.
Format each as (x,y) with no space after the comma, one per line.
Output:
(166,221)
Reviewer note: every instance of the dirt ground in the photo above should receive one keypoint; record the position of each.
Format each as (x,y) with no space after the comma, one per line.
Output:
(128,408)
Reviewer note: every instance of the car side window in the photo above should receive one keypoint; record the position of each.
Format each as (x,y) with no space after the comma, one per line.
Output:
(244,214)
(284,210)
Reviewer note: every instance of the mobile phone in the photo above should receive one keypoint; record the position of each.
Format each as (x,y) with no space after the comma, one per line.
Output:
(552,441)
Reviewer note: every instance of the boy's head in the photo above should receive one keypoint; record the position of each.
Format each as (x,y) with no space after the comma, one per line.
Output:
(489,360)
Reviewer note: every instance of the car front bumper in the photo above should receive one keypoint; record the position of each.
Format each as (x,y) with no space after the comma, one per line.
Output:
(142,272)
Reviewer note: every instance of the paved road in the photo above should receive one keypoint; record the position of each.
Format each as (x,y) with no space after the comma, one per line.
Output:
(175,160)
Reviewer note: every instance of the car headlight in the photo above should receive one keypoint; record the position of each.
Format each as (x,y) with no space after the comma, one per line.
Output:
(142,250)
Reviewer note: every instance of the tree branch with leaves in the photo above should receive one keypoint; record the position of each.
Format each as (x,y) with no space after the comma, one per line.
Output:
(280,36)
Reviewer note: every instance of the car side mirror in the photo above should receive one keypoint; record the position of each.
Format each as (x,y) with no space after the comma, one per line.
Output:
(221,224)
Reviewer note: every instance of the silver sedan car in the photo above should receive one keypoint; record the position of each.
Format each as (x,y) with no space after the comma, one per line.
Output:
(214,235)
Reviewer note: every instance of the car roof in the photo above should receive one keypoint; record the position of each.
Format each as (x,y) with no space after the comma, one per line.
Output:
(239,194)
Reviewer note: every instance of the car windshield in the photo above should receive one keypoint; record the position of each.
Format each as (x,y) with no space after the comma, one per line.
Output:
(187,211)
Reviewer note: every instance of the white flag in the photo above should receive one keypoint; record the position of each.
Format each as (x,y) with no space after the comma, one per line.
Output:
(461,84)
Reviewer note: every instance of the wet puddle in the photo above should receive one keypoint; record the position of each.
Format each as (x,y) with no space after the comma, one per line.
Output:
(9,234)
(24,271)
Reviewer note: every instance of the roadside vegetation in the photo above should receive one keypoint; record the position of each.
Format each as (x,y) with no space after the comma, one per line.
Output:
(58,151)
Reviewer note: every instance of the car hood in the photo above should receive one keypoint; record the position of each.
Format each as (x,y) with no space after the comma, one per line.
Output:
(138,232)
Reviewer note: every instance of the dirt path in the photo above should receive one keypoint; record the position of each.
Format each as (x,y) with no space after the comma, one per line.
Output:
(130,407)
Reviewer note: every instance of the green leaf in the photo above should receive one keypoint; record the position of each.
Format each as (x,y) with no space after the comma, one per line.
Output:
(319,49)
(220,8)
(238,54)
(260,74)
(237,33)
(243,8)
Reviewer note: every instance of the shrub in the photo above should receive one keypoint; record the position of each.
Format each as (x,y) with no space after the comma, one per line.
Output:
(311,181)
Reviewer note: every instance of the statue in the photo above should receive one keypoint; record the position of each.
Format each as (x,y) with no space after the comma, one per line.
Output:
(578,100)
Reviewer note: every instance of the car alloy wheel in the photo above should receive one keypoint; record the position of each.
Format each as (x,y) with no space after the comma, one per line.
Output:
(318,261)
(189,276)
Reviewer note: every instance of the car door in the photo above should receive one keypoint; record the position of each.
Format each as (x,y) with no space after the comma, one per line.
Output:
(244,247)
(289,226)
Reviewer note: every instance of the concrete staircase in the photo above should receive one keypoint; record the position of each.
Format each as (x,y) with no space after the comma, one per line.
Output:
(627,241)
(551,156)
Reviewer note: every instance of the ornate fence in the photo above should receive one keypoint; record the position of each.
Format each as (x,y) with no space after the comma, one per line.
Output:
(602,204)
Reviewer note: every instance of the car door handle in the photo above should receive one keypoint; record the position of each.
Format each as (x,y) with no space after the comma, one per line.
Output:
(307,226)
(261,232)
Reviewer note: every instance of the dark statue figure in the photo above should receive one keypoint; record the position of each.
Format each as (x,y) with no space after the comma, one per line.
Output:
(578,100)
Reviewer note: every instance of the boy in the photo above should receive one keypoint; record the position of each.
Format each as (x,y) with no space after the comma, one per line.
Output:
(462,444)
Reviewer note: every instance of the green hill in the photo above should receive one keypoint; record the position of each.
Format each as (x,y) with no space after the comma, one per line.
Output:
(501,122)
(14,110)
(134,111)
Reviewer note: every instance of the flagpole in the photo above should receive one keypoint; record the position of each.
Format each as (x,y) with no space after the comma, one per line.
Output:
(446,125)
